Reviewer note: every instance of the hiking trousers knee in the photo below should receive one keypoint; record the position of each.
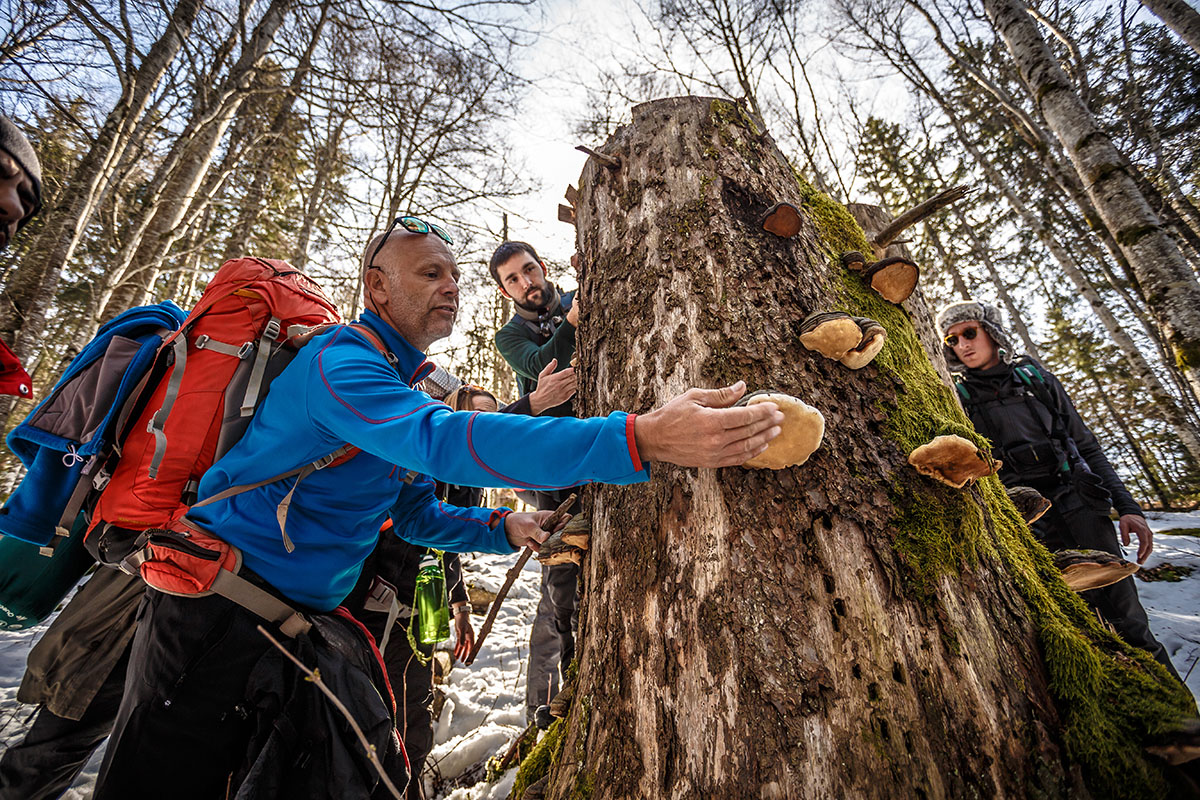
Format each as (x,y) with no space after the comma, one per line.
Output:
(55,750)
(552,640)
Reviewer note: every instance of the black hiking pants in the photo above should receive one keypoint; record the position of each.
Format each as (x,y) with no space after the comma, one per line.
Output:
(56,749)
(412,685)
(1070,525)
(182,729)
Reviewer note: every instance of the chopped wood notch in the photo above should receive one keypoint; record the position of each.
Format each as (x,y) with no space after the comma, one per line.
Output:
(571,195)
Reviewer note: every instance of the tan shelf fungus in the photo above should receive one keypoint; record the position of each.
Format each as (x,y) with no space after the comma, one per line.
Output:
(1083,570)
(803,429)
(953,460)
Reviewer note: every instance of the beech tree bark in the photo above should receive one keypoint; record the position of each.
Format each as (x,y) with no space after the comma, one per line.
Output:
(27,296)
(1170,286)
(845,628)
(1180,17)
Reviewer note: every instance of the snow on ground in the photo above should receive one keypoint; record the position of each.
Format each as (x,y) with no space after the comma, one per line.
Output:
(485,704)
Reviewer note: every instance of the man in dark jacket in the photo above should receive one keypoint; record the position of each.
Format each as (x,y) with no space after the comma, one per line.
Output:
(1037,433)
(542,332)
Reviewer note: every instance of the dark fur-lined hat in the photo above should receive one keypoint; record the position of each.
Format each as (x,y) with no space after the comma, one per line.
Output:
(13,142)
(988,317)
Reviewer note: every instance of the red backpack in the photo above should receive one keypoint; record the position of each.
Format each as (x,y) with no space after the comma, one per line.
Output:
(198,398)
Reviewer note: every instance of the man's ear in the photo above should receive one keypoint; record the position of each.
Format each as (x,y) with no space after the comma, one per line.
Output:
(503,292)
(375,293)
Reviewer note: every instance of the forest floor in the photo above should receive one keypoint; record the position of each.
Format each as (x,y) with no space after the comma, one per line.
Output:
(485,705)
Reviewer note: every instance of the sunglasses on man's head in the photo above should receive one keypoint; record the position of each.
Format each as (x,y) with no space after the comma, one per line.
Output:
(968,334)
(412,225)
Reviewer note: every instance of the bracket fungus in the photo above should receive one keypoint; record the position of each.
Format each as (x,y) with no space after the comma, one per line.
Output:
(873,337)
(803,429)
(895,279)
(853,261)
(1029,502)
(830,333)
(782,219)
(1083,570)
(953,460)
(854,341)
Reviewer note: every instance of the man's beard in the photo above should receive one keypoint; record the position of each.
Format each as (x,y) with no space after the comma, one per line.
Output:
(543,292)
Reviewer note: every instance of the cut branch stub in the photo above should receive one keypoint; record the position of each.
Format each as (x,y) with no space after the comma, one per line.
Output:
(612,162)
(916,214)
(566,214)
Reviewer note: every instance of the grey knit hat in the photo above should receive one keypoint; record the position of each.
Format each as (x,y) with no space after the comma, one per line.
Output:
(987,315)
(13,142)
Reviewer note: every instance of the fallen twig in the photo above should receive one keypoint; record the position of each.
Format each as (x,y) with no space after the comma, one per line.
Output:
(362,738)
(510,577)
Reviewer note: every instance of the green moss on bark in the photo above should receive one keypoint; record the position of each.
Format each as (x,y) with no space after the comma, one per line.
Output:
(537,764)
(1110,696)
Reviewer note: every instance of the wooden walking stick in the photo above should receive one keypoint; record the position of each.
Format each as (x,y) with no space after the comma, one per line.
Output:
(553,521)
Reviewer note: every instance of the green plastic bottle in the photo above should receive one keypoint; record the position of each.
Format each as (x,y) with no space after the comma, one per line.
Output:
(433,613)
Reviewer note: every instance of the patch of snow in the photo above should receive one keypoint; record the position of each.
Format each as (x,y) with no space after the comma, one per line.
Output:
(485,703)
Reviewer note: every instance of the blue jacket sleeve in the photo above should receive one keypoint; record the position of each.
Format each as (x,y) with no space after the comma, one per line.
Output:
(419,517)
(357,397)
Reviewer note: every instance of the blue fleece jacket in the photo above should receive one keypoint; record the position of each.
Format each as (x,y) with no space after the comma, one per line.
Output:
(341,389)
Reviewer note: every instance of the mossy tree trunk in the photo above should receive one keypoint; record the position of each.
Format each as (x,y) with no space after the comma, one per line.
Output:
(845,628)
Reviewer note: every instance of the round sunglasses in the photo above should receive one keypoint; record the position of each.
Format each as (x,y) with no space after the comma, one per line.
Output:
(968,334)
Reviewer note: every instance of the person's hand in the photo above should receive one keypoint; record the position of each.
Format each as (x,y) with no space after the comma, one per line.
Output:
(699,429)
(1137,523)
(553,388)
(573,314)
(524,529)
(464,635)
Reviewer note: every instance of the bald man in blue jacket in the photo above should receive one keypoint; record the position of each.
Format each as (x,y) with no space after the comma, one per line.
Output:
(184,712)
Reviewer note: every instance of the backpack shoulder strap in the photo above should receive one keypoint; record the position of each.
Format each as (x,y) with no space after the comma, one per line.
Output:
(337,457)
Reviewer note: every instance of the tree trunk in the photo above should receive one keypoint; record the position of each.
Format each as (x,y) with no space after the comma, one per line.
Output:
(1166,404)
(256,200)
(27,296)
(185,173)
(1170,286)
(846,628)
(1180,17)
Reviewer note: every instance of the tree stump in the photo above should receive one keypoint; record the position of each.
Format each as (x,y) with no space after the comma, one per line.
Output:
(846,628)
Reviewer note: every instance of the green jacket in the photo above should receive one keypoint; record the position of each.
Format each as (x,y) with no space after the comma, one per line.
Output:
(528,351)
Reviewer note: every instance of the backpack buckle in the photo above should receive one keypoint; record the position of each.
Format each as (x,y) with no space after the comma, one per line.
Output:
(325,461)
